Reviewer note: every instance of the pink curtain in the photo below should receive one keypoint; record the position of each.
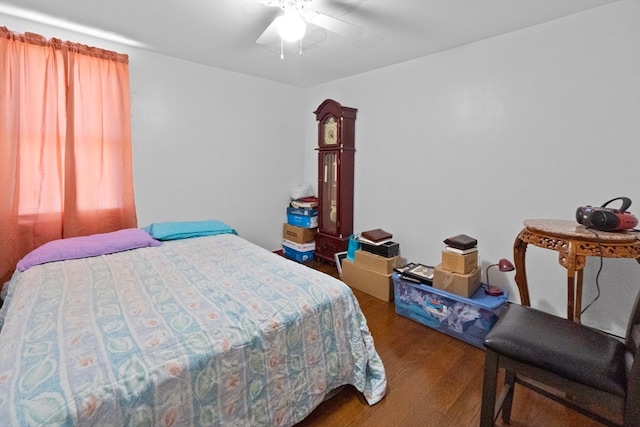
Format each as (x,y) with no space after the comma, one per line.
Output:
(65,143)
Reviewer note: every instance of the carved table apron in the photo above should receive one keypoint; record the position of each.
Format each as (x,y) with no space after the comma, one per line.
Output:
(573,242)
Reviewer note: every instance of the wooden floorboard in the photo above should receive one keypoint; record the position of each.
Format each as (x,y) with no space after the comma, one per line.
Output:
(433,380)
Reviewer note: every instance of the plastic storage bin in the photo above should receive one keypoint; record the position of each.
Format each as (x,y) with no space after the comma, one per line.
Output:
(467,319)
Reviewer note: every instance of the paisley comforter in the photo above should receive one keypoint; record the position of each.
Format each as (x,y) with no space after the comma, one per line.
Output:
(203,331)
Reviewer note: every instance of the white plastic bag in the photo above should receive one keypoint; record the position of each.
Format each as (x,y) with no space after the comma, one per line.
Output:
(300,191)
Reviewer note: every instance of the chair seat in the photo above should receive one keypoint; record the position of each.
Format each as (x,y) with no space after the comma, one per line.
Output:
(567,349)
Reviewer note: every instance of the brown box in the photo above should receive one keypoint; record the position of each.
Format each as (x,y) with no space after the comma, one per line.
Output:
(455,283)
(368,281)
(461,264)
(298,234)
(377,263)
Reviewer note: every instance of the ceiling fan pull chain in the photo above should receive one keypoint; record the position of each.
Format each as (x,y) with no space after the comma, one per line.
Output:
(300,47)
(281,48)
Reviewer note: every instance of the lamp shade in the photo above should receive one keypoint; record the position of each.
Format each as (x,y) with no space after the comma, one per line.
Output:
(505,265)
(291,27)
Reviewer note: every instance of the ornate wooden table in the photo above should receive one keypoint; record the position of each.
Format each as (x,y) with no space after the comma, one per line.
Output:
(574,242)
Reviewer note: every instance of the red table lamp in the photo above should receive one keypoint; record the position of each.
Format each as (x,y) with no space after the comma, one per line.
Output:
(503,265)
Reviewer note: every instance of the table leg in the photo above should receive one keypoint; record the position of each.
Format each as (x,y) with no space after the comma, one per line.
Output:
(568,260)
(578,310)
(571,285)
(519,251)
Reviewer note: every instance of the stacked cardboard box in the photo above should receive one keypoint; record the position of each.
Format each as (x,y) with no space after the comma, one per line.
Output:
(370,273)
(299,232)
(458,272)
(372,265)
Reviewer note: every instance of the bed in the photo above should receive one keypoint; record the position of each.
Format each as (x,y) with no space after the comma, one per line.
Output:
(196,330)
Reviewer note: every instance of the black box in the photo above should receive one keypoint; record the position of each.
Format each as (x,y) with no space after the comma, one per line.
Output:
(386,250)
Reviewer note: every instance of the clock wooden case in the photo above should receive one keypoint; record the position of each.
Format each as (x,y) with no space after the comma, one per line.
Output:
(336,152)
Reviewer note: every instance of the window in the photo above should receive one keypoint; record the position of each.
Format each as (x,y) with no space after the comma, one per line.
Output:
(67,138)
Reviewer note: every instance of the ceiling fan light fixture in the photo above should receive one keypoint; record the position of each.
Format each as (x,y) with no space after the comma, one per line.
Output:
(291,27)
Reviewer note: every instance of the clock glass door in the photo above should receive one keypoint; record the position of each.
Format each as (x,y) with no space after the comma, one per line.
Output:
(330,192)
(330,131)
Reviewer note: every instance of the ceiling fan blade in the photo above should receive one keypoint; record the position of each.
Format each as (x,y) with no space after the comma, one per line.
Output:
(269,35)
(334,25)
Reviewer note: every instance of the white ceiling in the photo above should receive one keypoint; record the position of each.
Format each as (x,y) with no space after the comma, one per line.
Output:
(223,33)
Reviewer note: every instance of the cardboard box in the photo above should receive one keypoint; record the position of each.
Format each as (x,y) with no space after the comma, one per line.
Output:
(368,281)
(377,263)
(455,283)
(467,319)
(300,247)
(456,263)
(302,220)
(298,234)
(297,255)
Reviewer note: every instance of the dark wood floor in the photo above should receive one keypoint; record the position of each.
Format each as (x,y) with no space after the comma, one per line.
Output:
(433,380)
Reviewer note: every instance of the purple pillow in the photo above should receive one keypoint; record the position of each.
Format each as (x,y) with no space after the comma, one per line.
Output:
(88,246)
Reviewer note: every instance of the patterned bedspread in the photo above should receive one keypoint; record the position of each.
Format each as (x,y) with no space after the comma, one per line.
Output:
(204,331)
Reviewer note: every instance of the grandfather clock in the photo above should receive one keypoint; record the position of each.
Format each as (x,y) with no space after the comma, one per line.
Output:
(336,150)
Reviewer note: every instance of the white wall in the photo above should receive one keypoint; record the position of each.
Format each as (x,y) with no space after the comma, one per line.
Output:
(214,144)
(476,139)
(207,143)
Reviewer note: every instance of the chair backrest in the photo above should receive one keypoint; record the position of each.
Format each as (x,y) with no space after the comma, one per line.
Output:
(632,407)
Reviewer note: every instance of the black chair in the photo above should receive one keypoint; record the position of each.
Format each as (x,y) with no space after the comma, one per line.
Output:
(580,367)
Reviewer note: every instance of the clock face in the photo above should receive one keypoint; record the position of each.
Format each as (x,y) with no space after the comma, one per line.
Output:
(330,131)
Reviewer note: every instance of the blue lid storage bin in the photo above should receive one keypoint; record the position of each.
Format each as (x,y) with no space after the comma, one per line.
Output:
(467,319)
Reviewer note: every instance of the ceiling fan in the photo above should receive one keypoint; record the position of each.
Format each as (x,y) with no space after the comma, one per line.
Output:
(290,25)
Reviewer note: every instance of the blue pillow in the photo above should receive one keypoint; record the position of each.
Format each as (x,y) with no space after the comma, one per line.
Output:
(175,230)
